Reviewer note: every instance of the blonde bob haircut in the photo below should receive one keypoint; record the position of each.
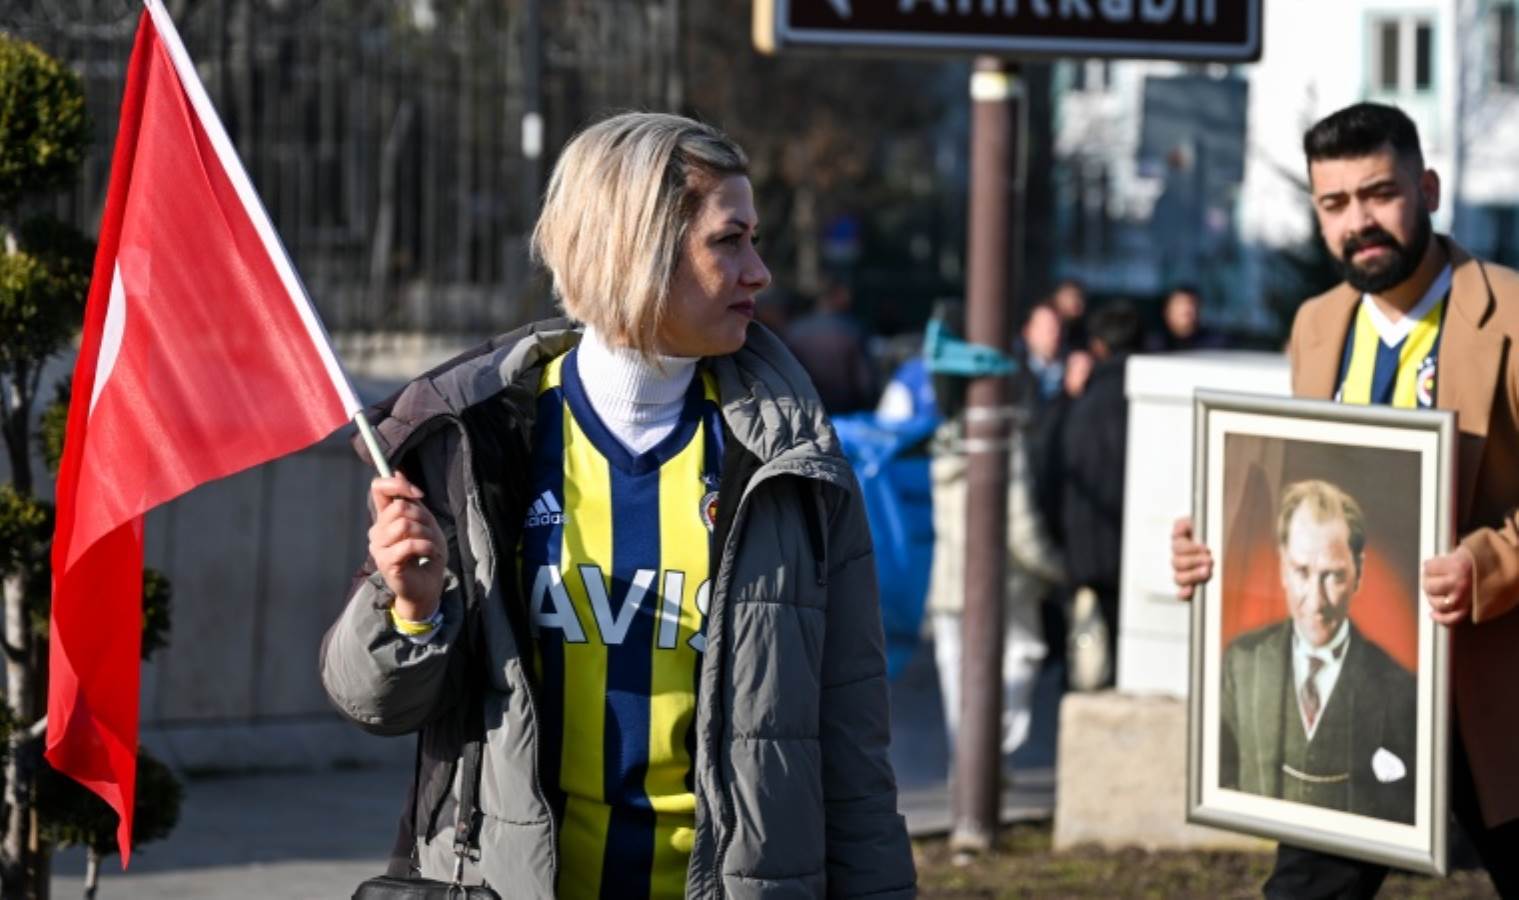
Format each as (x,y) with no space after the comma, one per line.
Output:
(619,204)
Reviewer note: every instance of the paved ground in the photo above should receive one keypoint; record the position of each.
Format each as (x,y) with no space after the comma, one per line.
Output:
(317,834)
(308,835)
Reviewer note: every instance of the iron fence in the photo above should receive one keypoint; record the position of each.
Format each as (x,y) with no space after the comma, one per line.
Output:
(385,136)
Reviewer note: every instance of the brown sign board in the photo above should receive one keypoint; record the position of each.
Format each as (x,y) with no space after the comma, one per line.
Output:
(1198,30)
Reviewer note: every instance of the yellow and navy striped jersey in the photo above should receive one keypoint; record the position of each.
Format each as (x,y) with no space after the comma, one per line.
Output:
(1403,373)
(615,561)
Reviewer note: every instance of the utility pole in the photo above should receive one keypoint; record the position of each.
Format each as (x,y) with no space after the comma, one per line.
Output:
(996,110)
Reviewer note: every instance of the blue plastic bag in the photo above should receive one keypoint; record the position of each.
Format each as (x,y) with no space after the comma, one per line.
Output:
(890,460)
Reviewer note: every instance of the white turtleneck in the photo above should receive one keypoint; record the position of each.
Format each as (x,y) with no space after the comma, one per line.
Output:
(638,400)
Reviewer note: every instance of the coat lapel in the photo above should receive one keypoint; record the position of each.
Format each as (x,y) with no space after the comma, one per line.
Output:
(1470,361)
(1470,355)
(1321,342)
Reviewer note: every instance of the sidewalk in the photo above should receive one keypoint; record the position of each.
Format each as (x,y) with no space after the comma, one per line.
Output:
(318,834)
(309,835)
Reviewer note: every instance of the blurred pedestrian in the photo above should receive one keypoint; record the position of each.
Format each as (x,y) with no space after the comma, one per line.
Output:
(1092,444)
(1182,327)
(660,695)
(831,345)
(908,395)
(1045,453)
(773,309)
(1078,369)
(1033,570)
(1038,351)
(1033,565)
(1069,300)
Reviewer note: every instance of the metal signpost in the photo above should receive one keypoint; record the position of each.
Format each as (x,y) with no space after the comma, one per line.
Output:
(1196,30)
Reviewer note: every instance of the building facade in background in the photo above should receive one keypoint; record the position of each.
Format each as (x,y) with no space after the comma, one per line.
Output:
(1171,173)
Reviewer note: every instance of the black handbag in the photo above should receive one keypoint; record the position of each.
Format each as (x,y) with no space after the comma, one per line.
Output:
(386,887)
(409,887)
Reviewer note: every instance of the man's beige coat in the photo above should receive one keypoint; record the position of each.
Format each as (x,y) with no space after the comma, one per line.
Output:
(1477,376)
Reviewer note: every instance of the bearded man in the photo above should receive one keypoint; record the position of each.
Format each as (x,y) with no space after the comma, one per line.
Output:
(1420,322)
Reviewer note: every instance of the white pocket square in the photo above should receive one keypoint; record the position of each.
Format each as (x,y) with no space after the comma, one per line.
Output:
(1386,766)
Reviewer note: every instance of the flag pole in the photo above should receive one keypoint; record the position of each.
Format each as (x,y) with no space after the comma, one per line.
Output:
(366,431)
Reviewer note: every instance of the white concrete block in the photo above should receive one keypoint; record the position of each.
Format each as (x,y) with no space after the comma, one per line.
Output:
(1121,776)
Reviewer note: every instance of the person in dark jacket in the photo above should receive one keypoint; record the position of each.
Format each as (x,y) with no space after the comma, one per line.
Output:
(1092,443)
(1069,301)
(626,558)
(832,346)
(1182,327)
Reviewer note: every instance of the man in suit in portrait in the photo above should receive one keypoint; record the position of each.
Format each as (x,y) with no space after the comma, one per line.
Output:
(1312,711)
(1373,198)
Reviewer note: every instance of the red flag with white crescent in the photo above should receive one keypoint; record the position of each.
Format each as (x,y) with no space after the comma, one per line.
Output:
(201,356)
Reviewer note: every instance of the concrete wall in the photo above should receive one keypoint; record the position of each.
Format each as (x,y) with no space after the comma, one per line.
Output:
(260,563)
(1154,634)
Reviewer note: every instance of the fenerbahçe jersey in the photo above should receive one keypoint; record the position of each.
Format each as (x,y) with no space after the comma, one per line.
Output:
(1402,371)
(615,560)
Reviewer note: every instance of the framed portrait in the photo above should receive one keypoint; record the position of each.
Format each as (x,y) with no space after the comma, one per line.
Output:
(1318,708)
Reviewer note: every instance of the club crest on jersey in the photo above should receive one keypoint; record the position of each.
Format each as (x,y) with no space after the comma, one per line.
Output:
(709,510)
(545,511)
(1424,383)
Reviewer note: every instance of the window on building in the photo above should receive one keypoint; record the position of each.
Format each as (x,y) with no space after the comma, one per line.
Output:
(1403,54)
(1387,46)
(1092,75)
(1423,56)
(1505,45)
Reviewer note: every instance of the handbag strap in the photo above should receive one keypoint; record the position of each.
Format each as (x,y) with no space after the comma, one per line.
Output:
(467,823)
(466,826)
(403,854)
(403,857)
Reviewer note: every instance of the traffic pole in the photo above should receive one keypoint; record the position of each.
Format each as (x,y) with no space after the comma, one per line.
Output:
(995,128)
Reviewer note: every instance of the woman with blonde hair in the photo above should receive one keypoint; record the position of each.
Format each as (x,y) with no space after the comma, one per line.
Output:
(622,582)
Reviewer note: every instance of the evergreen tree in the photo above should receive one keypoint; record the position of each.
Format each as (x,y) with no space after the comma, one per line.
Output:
(44,279)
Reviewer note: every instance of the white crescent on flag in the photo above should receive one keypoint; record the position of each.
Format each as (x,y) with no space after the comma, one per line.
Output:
(201,356)
(110,340)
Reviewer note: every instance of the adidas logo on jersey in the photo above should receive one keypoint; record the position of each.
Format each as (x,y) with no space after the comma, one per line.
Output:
(545,511)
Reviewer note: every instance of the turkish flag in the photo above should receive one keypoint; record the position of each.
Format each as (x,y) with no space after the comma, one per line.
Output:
(201,356)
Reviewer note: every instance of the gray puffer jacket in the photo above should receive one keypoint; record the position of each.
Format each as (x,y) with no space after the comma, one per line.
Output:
(795,794)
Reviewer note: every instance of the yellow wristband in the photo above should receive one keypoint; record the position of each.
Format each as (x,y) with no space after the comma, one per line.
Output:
(412,628)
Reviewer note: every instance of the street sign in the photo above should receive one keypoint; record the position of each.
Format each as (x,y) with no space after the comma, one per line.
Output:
(1216,30)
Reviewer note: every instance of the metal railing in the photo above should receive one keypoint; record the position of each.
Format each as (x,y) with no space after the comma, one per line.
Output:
(384,136)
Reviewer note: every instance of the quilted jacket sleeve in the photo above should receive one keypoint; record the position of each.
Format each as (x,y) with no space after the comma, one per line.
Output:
(868,851)
(381,680)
